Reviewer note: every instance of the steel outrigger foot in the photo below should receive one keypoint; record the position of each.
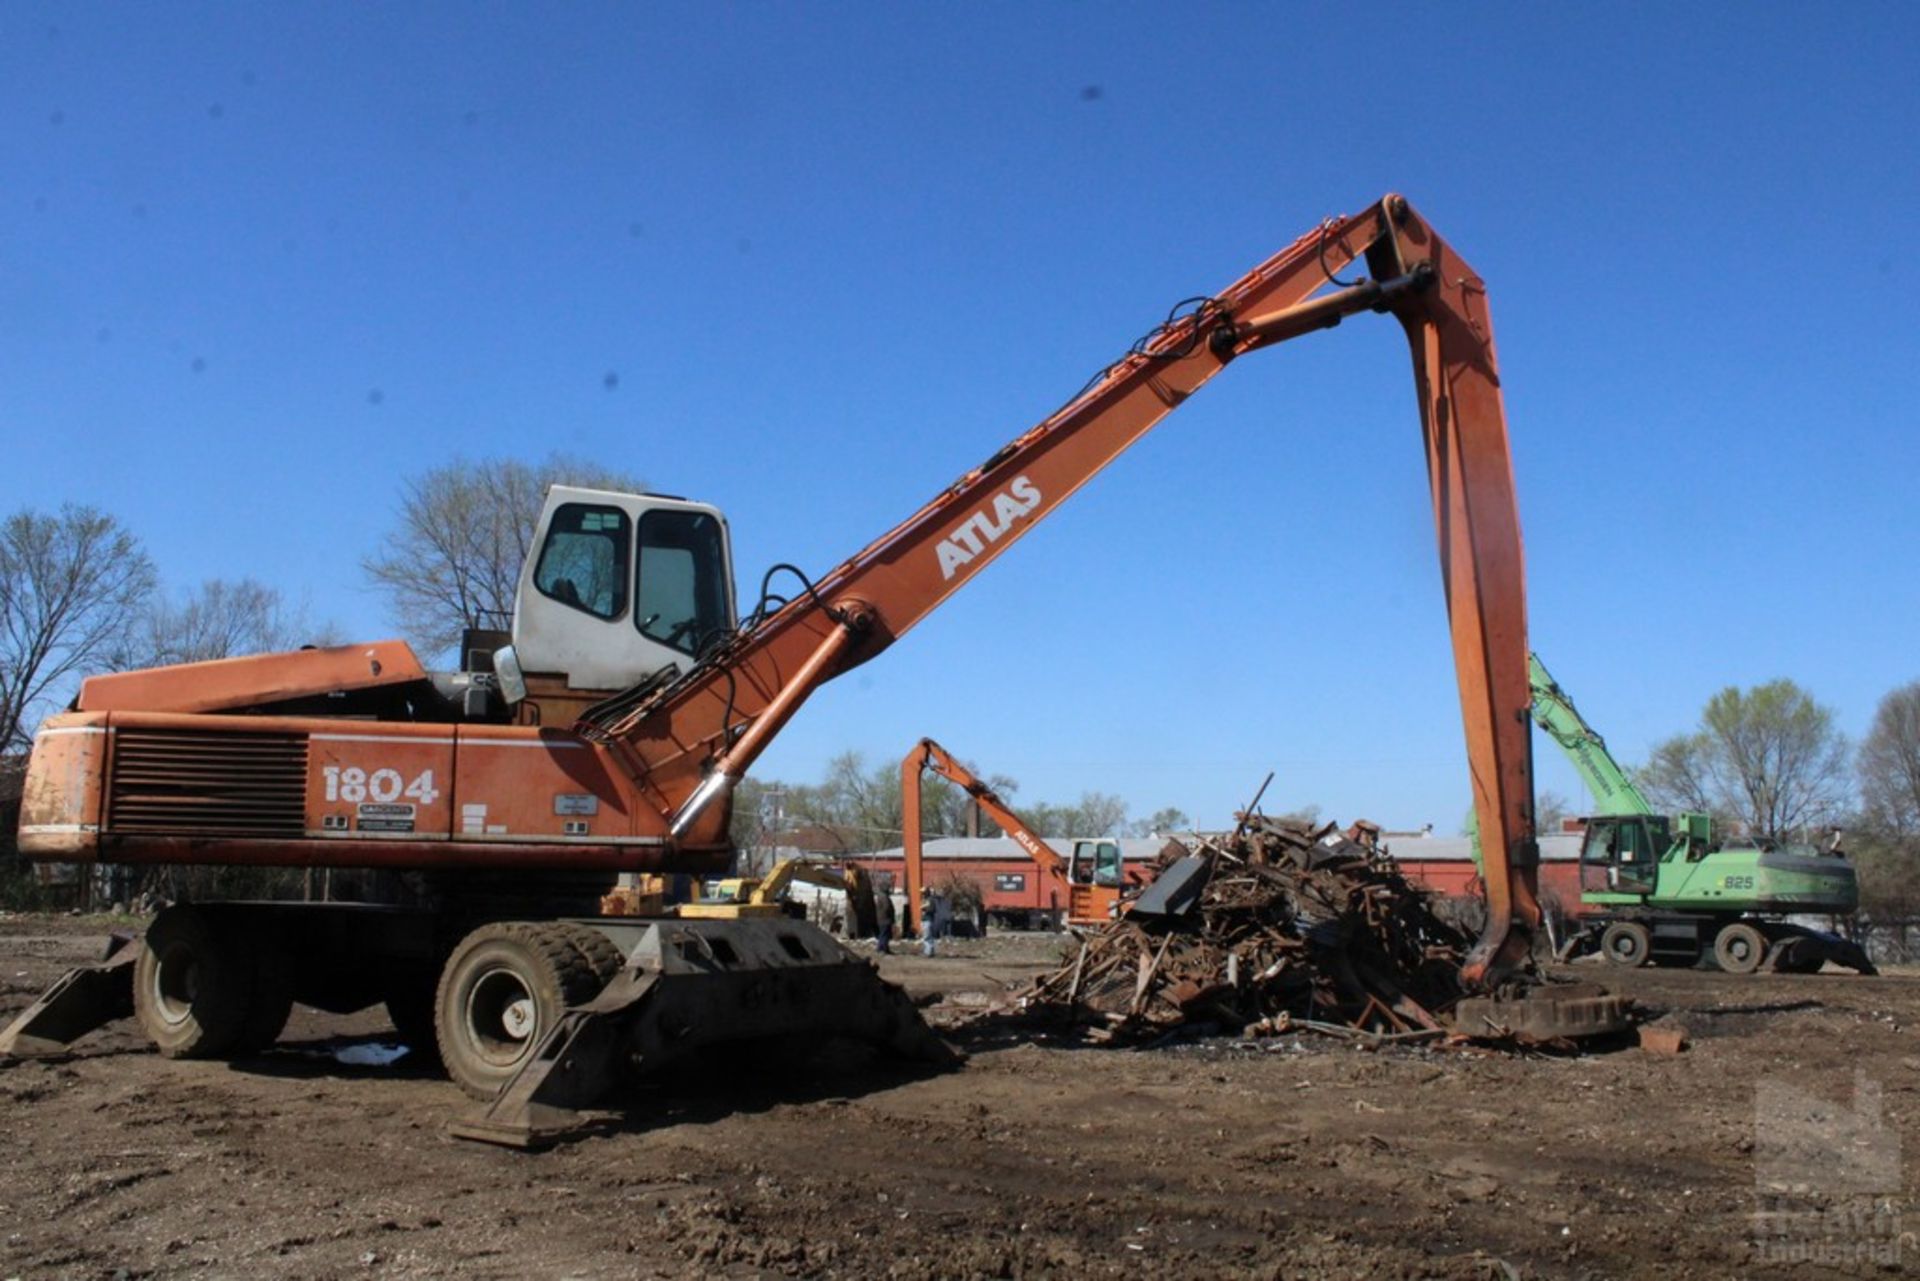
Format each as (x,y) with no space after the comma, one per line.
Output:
(1545,1012)
(689,985)
(83,1000)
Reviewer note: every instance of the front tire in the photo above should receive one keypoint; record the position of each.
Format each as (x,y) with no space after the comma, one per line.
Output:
(1627,943)
(503,989)
(190,989)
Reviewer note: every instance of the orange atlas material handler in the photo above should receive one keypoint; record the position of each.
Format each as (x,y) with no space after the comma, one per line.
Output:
(607,732)
(1088,885)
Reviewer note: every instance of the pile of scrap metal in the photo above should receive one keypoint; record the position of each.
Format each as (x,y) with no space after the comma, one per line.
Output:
(1278,925)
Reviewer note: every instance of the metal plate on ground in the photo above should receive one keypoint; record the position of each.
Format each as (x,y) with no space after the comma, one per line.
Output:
(1560,1013)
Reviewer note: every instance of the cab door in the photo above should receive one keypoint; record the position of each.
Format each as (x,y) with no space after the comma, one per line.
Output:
(1618,857)
(1093,875)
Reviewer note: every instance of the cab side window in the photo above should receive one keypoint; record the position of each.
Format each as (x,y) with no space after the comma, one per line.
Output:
(682,578)
(583,563)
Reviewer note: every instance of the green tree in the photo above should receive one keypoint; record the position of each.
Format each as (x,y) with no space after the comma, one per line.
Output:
(1094,814)
(1162,822)
(1769,758)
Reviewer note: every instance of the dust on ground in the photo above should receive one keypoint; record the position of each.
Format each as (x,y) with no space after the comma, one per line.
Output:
(1298,1157)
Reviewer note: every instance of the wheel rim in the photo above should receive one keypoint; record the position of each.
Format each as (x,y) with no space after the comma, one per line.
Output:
(1740,950)
(503,1017)
(175,984)
(1625,947)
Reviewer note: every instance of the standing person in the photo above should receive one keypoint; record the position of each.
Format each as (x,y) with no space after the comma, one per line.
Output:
(929,918)
(882,915)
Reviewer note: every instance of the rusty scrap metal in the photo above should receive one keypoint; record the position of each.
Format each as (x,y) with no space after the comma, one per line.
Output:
(1663,1038)
(1297,926)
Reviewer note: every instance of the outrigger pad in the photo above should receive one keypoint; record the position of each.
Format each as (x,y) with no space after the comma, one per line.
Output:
(83,1000)
(1806,951)
(693,984)
(1549,1012)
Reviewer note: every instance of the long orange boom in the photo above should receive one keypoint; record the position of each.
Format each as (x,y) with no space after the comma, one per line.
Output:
(656,767)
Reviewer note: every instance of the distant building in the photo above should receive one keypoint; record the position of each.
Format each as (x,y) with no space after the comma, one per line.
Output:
(1444,864)
(1015,890)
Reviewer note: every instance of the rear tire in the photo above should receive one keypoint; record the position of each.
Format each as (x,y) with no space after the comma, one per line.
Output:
(1627,943)
(1800,960)
(270,1000)
(1739,948)
(503,989)
(191,993)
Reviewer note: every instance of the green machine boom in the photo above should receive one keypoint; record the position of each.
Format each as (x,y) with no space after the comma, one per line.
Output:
(1654,888)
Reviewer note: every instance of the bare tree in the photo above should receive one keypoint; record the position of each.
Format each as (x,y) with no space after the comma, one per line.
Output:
(1676,776)
(1886,846)
(220,619)
(864,805)
(1101,814)
(453,561)
(1550,808)
(1890,764)
(1769,758)
(71,586)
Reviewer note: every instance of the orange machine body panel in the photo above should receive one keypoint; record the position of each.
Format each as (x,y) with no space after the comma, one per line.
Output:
(60,802)
(133,787)
(227,684)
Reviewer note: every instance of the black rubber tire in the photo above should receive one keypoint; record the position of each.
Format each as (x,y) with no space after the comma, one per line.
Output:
(500,993)
(602,955)
(269,1000)
(1627,943)
(1800,959)
(409,1005)
(192,990)
(1739,948)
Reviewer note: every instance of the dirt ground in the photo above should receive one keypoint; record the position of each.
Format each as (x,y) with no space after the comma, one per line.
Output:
(1295,1157)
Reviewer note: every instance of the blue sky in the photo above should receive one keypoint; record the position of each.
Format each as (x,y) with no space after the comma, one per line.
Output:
(259,263)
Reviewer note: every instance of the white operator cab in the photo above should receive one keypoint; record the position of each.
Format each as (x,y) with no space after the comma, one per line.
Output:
(618,587)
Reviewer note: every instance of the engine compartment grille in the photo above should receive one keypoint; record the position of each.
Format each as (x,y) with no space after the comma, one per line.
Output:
(207,783)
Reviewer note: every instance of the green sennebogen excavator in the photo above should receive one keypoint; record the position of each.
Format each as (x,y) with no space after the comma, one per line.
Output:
(1660,889)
